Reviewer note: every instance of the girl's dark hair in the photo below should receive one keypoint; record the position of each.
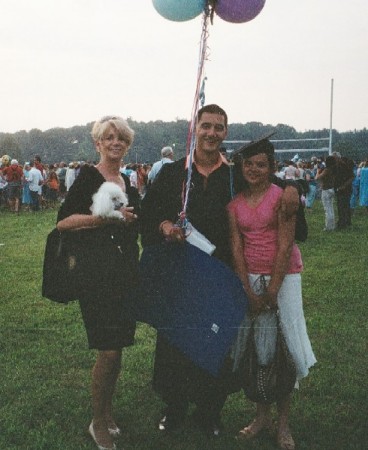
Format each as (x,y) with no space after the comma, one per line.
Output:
(330,161)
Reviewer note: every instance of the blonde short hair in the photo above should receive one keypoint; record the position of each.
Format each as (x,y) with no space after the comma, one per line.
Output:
(101,127)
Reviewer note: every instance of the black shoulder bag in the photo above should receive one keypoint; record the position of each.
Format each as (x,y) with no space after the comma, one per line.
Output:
(272,382)
(61,269)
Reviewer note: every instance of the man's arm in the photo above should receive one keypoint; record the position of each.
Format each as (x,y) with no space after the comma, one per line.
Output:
(162,204)
(290,197)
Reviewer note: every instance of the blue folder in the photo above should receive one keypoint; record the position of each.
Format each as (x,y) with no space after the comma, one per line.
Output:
(194,299)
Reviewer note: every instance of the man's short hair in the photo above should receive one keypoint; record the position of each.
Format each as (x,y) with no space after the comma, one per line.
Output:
(166,151)
(212,109)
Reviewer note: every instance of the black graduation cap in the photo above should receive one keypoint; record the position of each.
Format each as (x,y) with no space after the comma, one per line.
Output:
(261,145)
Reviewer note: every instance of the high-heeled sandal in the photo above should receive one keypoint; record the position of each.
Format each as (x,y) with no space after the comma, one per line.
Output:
(115,432)
(285,441)
(249,433)
(100,447)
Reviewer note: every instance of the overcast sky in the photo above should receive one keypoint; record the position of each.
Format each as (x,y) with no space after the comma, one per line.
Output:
(68,62)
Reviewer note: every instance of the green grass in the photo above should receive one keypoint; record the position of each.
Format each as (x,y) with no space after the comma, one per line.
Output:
(45,365)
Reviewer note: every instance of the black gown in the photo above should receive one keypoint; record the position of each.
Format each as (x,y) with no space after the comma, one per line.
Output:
(175,377)
(110,258)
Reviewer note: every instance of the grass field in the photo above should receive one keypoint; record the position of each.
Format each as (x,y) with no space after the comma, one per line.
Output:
(45,365)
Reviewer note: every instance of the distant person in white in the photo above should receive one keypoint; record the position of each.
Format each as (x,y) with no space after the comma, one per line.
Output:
(70,176)
(167,156)
(291,171)
(35,180)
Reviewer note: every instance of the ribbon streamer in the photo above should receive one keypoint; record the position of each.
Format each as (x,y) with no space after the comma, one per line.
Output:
(198,98)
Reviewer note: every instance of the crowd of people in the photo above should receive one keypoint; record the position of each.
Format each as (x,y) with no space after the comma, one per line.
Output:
(56,179)
(343,182)
(330,178)
(32,186)
(253,233)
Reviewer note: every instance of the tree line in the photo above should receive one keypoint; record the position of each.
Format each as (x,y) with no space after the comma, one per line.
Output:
(75,143)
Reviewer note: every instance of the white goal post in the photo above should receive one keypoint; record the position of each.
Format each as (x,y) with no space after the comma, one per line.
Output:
(291,150)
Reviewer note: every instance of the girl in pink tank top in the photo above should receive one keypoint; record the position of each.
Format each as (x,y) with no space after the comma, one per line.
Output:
(262,242)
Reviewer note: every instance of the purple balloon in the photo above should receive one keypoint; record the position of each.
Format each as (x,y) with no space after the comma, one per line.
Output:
(239,11)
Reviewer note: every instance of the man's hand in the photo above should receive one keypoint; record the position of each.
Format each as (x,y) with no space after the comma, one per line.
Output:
(172,232)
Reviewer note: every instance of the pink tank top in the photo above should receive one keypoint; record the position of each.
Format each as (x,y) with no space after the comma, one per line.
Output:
(259,227)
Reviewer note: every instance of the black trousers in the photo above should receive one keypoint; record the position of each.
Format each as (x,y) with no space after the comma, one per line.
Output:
(179,382)
(343,210)
(35,198)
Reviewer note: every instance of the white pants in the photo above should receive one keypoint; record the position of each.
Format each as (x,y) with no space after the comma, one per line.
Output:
(293,325)
(327,198)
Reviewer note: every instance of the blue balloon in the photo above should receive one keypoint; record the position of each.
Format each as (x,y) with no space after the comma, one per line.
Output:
(179,10)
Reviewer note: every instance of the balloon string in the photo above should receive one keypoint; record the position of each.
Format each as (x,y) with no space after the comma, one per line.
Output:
(199,96)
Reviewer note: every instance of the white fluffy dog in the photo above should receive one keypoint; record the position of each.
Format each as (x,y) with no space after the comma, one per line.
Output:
(108,200)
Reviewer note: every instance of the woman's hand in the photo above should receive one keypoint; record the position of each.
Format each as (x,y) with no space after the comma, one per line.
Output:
(270,300)
(128,214)
(262,303)
(258,303)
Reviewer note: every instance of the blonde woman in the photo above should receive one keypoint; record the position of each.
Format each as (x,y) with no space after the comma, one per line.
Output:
(110,248)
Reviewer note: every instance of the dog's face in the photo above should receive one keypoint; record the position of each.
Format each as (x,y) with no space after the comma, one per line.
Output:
(117,202)
(107,199)
(117,197)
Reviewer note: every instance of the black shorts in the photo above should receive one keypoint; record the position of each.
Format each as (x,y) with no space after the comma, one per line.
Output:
(107,326)
(62,187)
(14,191)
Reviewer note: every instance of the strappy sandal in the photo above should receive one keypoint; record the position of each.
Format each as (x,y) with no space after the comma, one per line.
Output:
(114,431)
(285,441)
(249,432)
(91,431)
